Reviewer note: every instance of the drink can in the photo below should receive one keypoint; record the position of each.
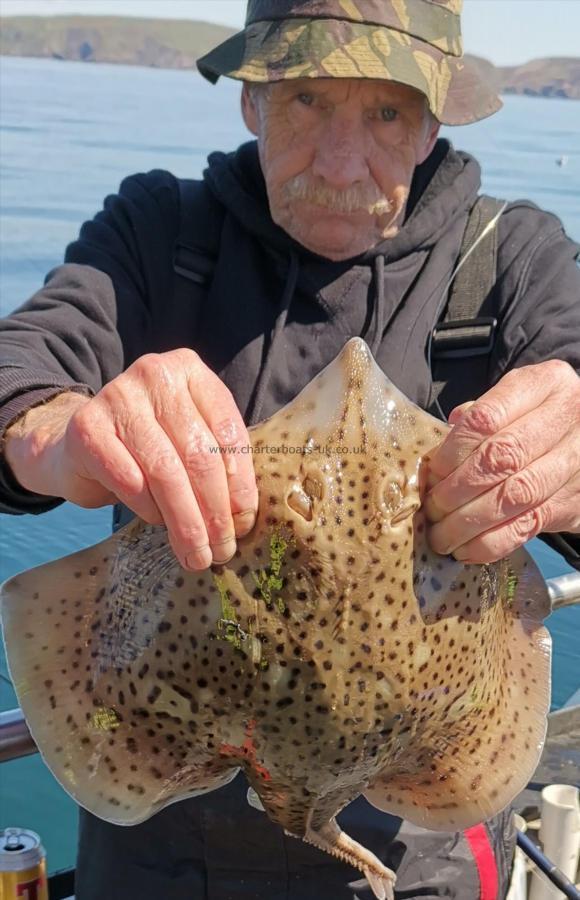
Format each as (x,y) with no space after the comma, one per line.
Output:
(22,866)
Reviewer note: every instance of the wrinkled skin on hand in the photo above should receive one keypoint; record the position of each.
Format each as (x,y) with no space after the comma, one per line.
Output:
(153,438)
(510,467)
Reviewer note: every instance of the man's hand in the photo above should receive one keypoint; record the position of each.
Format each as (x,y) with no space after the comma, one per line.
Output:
(164,438)
(510,467)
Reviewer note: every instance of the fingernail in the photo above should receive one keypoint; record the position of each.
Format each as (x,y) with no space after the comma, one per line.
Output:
(432,511)
(428,476)
(223,551)
(199,559)
(443,548)
(431,478)
(244,522)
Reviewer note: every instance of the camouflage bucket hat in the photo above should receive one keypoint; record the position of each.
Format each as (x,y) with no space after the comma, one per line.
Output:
(414,42)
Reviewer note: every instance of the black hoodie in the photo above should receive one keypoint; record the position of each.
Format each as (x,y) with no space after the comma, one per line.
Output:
(272,318)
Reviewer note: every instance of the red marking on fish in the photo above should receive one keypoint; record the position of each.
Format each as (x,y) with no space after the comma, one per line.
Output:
(247,751)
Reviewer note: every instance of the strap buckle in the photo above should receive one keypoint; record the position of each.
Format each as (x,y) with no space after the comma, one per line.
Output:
(459,338)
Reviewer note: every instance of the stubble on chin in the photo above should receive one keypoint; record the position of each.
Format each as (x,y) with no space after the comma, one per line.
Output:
(339,249)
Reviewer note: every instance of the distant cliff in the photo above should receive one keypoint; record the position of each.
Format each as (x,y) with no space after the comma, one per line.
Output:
(173,44)
(163,43)
(553,77)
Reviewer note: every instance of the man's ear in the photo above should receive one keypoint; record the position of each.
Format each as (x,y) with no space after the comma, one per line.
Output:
(249,111)
(430,138)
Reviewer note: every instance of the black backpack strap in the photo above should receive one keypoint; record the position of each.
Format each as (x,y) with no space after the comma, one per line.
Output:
(462,341)
(195,255)
(200,226)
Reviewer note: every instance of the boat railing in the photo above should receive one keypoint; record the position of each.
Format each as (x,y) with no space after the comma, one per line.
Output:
(16,740)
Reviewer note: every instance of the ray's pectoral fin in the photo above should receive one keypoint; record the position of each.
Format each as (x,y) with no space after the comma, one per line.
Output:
(480,749)
(80,635)
(330,838)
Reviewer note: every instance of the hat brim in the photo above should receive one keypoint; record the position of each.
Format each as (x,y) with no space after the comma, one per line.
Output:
(336,48)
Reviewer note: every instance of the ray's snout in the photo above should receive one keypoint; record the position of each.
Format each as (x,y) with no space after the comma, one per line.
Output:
(356,351)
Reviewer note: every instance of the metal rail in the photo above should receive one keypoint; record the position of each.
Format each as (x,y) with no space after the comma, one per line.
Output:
(564,590)
(16,740)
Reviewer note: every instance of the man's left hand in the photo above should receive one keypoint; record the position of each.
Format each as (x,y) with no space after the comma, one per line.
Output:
(510,467)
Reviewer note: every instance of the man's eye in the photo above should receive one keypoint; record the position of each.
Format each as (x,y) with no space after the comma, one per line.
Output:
(306,99)
(388,114)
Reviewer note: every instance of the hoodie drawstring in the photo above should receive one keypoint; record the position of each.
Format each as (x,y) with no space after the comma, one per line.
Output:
(373,335)
(257,401)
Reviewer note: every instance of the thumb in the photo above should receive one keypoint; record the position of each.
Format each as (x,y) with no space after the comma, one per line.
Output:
(89,493)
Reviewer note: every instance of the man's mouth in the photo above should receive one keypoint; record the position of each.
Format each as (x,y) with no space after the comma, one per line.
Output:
(354,200)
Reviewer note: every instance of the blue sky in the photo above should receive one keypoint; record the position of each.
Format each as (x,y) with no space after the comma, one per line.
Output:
(505,31)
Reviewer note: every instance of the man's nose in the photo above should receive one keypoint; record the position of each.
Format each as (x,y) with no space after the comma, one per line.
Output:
(340,156)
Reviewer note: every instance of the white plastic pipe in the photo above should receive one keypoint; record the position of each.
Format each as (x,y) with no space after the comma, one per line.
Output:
(518,884)
(560,837)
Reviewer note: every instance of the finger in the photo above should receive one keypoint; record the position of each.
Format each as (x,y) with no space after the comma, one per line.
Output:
(458,411)
(219,410)
(170,487)
(559,513)
(499,542)
(204,467)
(518,494)
(506,453)
(103,458)
(517,393)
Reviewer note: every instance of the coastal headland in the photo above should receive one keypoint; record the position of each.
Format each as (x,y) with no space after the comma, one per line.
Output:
(176,44)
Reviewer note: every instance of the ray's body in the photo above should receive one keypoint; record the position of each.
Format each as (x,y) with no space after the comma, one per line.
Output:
(334,655)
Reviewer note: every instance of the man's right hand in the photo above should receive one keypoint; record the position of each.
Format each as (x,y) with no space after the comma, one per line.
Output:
(165,438)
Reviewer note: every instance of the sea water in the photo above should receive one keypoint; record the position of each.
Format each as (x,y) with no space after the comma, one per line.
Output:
(69,133)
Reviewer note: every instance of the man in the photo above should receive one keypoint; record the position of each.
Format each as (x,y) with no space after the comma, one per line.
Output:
(345,218)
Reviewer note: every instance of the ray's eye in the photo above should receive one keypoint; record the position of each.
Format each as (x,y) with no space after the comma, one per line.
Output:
(395,505)
(313,487)
(392,498)
(300,502)
(301,497)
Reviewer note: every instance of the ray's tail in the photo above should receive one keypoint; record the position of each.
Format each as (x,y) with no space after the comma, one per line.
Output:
(333,840)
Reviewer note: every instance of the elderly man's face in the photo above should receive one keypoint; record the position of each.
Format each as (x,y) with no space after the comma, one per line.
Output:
(338,157)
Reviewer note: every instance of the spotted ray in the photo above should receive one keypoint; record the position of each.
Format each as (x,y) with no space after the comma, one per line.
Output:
(335,654)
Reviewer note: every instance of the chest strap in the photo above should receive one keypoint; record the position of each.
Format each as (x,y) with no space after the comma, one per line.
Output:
(463,339)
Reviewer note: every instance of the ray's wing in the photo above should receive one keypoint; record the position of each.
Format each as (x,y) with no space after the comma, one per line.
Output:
(471,757)
(105,649)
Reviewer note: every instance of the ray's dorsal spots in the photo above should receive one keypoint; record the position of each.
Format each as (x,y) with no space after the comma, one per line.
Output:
(334,654)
